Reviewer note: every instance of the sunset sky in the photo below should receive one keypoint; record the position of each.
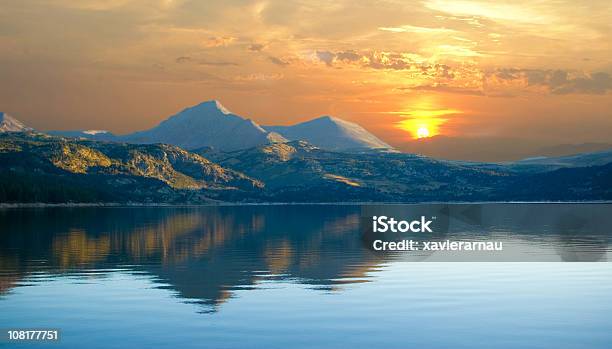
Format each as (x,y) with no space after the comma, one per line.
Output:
(482,80)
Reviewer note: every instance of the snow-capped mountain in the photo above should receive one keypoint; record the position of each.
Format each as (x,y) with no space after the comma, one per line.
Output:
(210,124)
(332,133)
(207,124)
(10,124)
(98,135)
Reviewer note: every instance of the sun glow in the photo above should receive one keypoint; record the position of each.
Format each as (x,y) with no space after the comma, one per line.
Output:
(421,127)
(422,132)
(424,116)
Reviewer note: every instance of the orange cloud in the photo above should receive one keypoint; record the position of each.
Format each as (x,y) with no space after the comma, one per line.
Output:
(216,41)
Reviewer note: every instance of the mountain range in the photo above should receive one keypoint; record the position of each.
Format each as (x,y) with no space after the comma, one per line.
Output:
(207,154)
(211,125)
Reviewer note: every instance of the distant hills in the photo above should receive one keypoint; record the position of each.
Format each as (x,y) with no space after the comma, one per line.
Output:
(542,163)
(491,148)
(98,135)
(572,149)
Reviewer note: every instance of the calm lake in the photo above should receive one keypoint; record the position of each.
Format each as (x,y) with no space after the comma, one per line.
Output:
(303,276)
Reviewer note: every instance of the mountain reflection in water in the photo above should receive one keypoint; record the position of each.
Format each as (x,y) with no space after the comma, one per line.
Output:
(207,253)
(203,253)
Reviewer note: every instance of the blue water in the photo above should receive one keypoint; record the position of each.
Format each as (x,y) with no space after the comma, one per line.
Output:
(285,276)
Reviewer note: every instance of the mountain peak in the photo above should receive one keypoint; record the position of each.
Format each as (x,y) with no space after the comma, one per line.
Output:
(10,124)
(327,119)
(332,133)
(208,124)
(211,105)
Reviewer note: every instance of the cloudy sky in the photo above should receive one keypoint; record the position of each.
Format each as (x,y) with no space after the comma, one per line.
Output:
(483,80)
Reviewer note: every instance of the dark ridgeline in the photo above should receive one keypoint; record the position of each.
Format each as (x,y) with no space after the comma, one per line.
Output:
(40,168)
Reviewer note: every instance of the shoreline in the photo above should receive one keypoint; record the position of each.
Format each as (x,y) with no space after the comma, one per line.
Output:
(133,204)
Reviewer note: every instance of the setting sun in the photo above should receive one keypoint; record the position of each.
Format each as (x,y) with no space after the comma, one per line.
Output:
(421,127)
(425,117)
(422,132)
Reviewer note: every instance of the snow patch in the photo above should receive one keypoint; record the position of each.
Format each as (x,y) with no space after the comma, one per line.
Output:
(94,132)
